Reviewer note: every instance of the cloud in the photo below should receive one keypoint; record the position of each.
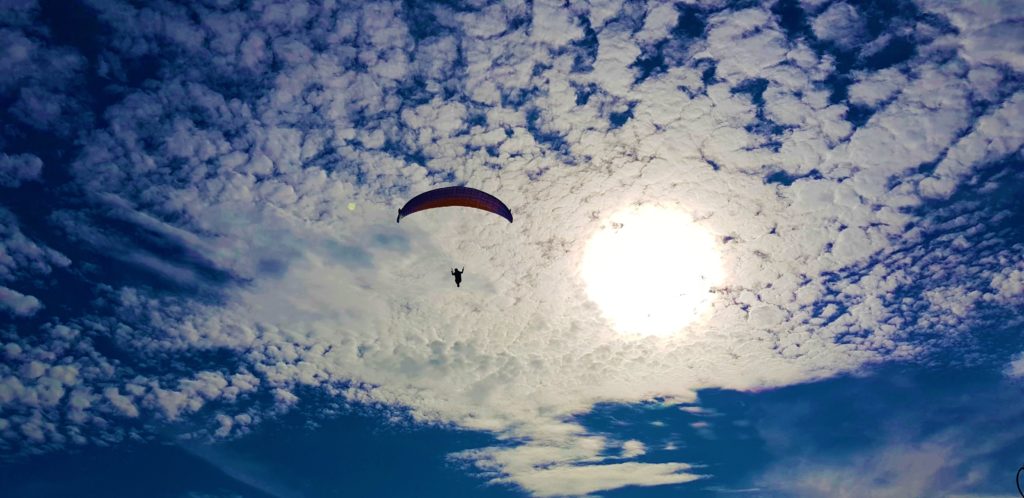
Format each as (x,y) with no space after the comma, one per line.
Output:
(123,403)
(41,78)
(240,469)
(564,461)
(875,88)
(21,256)
(896,471)
(19,168)
(996,135)
(17,303)
(1016,367)
(839,23)
(230,170)
(633,449)
(576,481)
(987,35)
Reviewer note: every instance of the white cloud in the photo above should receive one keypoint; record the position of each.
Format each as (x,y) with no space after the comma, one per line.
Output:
(552,24)
(124,404)
(660,18)
(616,51)
(1008,285)
(876,87)
(839,23)
(582,480)
(990,32)
(17,303)
(601,11)
(994,136)
(744,43)
(226,423)
(561,460)
(285,398)
(633,449)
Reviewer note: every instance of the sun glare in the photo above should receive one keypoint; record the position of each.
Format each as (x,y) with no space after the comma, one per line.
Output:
(651,270)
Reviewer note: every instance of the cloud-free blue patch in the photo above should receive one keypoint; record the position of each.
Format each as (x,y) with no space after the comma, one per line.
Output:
(785,178)
(617,119)
(690,23)
(585,48)
(858,114)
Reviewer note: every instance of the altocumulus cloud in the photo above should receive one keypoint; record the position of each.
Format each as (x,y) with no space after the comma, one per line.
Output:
(828,157)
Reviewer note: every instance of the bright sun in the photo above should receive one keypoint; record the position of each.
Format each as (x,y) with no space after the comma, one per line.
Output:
(651,270)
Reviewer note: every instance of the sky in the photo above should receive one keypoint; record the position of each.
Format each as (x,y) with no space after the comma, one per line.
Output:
(759,249)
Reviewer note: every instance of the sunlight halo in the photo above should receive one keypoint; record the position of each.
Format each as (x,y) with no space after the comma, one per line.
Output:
(651,270)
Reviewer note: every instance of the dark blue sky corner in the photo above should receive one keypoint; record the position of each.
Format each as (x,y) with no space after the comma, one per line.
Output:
(297,454)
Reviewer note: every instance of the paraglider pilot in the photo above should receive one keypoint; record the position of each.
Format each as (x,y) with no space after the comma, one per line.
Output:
(458,275)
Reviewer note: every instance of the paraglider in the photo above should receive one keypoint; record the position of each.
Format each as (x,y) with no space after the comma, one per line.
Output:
(455,196)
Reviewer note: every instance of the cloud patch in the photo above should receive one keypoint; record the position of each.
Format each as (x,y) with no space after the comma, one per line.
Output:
(17,303)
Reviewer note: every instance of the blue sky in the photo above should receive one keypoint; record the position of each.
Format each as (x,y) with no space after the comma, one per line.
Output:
(199,275)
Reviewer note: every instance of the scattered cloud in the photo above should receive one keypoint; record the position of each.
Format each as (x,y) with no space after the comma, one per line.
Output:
(237,138)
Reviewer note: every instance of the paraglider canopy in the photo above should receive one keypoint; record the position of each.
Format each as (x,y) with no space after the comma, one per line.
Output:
(455,196)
